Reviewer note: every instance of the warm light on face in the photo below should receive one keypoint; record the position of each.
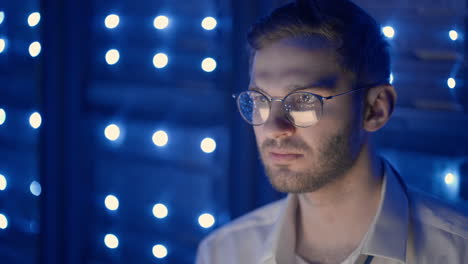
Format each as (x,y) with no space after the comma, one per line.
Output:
(314,156)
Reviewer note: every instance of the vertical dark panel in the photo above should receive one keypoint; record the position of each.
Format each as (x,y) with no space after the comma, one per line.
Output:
(66,189)
(243,161)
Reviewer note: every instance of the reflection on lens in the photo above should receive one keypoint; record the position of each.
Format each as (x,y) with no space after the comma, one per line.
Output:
(303,109)
(254,107)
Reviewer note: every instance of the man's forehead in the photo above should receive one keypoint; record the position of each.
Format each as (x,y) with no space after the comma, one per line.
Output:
(292,58)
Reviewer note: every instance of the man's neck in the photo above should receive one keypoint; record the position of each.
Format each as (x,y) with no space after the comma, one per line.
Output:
(331,222)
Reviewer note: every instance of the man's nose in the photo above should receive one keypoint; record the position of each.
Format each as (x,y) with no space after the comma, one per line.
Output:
(278,125)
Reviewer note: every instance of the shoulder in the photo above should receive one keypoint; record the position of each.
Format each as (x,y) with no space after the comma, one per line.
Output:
(244,234)
(437,214)
(260,218)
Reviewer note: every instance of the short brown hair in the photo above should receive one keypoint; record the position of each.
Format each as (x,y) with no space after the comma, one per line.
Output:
(362,48)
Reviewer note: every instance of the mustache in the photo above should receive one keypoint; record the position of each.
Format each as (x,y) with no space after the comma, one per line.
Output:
(286,144)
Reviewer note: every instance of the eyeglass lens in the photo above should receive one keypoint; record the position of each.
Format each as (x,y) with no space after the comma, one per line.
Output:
(301,108)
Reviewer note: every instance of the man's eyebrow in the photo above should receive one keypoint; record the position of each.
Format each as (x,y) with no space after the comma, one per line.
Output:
(324,85)
(317,87)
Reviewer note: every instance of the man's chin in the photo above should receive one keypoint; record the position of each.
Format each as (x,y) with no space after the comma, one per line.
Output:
(288,183)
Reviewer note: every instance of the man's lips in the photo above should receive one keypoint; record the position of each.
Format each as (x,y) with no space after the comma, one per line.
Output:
(281,157)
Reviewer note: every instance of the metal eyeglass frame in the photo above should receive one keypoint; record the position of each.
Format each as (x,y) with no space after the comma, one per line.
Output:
(271,99)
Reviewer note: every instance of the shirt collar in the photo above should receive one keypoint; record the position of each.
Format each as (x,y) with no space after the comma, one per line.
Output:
(386,238)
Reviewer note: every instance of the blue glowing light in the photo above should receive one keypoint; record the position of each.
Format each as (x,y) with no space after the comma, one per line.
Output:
(160,211)
(112,56)
(34,19)
(2,17)
(453,34)
(451,83)
(208,145)
(35,188)
(160,60)
(208,64)
(112,132)
(35,49)
(112,21)
(209,23)
(3,44)
(3,182)
(206,220)
(111,241)
(35,120)
(161,22)
(389,32)
(111,202)
(3,221)
(3,116)
(159,251)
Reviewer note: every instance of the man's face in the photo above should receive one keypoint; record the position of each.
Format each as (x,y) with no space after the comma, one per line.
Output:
(297,159)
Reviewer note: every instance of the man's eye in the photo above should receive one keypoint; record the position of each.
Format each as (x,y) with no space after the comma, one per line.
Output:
(305,98)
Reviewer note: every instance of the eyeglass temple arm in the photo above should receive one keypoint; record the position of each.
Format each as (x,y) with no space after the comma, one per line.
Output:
(357,89)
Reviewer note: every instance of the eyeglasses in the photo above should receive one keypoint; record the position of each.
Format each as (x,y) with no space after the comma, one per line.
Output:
(302,109)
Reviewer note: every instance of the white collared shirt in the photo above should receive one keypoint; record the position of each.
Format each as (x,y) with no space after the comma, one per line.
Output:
(409,227)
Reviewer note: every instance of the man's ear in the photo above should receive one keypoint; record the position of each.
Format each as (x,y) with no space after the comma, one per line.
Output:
(379,105)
